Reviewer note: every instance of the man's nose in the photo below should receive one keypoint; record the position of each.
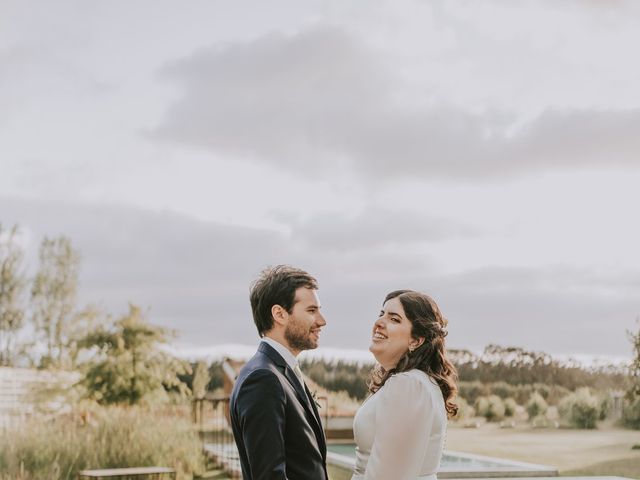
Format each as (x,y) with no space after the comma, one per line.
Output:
(322,321)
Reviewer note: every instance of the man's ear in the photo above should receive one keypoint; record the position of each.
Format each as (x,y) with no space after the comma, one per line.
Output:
(279,314)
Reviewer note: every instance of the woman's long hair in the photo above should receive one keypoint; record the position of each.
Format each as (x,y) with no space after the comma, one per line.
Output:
(430,357)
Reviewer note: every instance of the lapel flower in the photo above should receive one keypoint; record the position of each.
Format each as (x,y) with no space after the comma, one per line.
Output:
(314,395)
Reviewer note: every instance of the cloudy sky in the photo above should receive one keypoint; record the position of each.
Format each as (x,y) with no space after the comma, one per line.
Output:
(486,152)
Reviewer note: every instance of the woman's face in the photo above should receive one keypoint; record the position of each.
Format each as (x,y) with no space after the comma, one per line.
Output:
(391,334)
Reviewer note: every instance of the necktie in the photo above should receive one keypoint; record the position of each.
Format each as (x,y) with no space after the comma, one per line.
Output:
(298,373)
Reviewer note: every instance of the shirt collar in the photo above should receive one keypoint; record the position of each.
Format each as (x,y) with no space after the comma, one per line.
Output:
(283,351)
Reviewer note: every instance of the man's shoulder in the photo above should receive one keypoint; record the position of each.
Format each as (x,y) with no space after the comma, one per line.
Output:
(262,382)
(260,360)
(259,367)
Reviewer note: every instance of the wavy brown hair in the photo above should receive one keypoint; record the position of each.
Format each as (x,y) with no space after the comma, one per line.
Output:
(430,357)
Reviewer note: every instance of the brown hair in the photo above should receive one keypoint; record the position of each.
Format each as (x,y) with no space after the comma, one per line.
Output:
(430,357)
(276,286)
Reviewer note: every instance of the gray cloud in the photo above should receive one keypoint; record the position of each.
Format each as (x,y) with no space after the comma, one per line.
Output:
(323,94)
(376,227)
(195,277)
(282,96)
(35,69)
(557,309)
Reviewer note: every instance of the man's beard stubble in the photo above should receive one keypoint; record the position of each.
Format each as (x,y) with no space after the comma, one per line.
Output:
(299,337)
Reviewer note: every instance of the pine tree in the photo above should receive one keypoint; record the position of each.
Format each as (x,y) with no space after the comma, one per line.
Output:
(129,365)
(634,369)
(12,287)
(57,321)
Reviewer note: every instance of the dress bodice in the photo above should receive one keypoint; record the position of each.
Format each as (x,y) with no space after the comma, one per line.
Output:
(400,430)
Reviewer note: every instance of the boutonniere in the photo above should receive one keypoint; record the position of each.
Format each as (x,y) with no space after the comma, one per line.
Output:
(314,395)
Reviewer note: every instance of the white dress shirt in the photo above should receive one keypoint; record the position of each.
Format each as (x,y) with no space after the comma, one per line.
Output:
(285,353)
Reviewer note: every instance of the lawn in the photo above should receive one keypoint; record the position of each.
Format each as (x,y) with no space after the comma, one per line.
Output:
(605,451)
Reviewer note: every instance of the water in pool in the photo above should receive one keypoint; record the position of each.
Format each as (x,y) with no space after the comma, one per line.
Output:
(448,460)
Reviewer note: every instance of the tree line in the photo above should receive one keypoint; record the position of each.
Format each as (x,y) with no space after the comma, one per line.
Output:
(517,366)
(511,369)
(45,304)
(119,357)
(121,361)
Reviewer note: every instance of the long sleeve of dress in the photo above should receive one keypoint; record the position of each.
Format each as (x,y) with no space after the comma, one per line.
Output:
(404,418)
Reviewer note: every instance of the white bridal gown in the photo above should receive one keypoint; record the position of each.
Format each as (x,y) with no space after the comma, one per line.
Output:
(400,430)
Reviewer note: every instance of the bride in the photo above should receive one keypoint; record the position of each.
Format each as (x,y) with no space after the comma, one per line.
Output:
(400,429)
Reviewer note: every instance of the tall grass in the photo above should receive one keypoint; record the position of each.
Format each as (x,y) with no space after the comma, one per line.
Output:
(100,438)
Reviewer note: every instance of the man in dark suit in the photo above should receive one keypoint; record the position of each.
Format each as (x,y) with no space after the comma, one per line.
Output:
(275,421)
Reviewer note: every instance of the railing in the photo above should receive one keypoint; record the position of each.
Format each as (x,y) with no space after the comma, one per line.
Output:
(211,414)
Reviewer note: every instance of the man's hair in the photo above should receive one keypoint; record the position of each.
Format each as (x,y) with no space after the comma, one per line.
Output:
(276,286)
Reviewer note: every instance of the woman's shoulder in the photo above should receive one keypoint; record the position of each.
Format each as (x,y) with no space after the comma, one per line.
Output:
(415,374)
(414,377)
(412,384)
(408,377)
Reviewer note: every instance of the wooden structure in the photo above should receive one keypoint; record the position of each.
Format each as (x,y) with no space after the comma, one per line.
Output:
(155,473)
(19,389)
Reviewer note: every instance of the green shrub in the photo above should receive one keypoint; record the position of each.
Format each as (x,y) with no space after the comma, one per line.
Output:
(471,391)
(465,411)
(502,389)
(496,409)
(510,406)
(580,409)
(543,389)
(110,437)
(491,408)
(604,406)
(536,405)
(522,394)
(556,393)
(631,414)
(481,406)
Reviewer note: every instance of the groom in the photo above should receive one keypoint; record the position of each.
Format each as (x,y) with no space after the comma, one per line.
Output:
(273,415)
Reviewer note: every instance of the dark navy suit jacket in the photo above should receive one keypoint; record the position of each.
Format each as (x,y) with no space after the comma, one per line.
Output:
(275,422)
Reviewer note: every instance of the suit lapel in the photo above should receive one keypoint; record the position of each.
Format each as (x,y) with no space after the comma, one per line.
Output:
(312,402)
(317,417)
(295,383)
(288,373)
(306,399)
(304,396)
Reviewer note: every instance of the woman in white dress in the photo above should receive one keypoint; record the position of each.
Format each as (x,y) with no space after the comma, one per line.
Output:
(400,429)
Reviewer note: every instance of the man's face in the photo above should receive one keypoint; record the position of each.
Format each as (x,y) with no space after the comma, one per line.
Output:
(305,321)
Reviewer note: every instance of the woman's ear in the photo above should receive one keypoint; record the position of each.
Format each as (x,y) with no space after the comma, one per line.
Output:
(415,343)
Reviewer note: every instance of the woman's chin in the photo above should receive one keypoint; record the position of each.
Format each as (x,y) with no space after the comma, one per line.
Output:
(375,349)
